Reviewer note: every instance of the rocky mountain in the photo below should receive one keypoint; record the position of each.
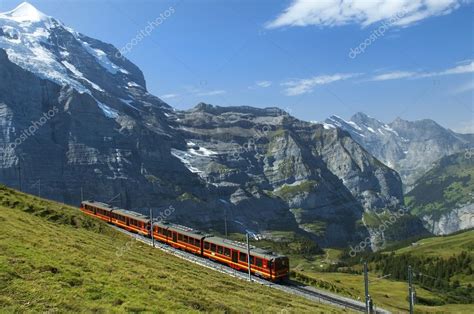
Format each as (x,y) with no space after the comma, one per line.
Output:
(76,118)
(444,196)
(409,147)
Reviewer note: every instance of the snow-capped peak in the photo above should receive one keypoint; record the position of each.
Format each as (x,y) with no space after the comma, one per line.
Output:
(25,12)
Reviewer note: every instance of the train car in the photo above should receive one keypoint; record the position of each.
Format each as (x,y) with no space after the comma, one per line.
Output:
(185,238)
(263,263)
(97,209)
(125,219)
(131,221)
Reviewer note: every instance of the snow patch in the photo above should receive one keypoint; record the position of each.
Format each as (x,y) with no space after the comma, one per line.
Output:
(386,127)
(202,151)
(354,125)
(109,112)
(102,58)
(185,158)
(129,102)
(328,126)
(25,12)
(79,74)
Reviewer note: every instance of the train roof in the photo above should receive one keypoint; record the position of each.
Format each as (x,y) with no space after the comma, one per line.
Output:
(190,232)
(124,212)
(98,204)
(254,251)
(132,214)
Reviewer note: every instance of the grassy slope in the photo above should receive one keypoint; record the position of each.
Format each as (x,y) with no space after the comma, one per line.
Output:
(390,294)
(443,246)
(54,257)
(448,185)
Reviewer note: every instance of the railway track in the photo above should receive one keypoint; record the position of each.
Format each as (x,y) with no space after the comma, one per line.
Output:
(291,287)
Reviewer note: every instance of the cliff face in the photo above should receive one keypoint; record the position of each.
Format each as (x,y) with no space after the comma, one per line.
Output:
(267,160)
(74,117)
(444,196)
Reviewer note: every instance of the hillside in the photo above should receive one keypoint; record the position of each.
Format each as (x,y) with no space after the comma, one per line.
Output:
(442,267)
(54,258)
(444,196)
(443,246)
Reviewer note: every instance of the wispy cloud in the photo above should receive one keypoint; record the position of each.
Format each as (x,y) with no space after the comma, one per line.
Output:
(304,86)
(393,76)
(467,87)
(212,93)
(466,127)
(341,12)
(465,67)
(263,84)
(169,96)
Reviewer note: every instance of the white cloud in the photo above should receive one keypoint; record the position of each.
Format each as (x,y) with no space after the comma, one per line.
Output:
(364,12)
(465,127)
(169,96)
(393,75)
(460,69)
(467,87)
(304,86)
(465,67)
(212,93)
(263,84)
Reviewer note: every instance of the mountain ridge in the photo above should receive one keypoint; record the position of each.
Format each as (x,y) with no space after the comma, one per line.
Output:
(112,140)
(409,147)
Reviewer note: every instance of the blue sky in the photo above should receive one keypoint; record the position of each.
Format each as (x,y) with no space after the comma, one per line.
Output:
(295,54)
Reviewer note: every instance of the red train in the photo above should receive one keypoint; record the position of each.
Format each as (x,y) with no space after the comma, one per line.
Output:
(263,263)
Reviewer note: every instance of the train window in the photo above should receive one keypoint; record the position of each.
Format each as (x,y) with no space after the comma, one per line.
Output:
(206,245)
(192,241)
(243,257)
(226,251)
(252,260)
(213,247)
(186,239)
(220,249)
(180,237)
(259,262)
(197,243)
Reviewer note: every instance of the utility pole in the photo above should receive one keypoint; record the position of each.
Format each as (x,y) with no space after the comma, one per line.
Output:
(248,256)
(38,183)
(19,174)
(151,228)
(410,289)
(368,299)
(225,221)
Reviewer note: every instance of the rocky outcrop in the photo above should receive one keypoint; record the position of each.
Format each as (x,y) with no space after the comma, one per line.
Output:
(453,221)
